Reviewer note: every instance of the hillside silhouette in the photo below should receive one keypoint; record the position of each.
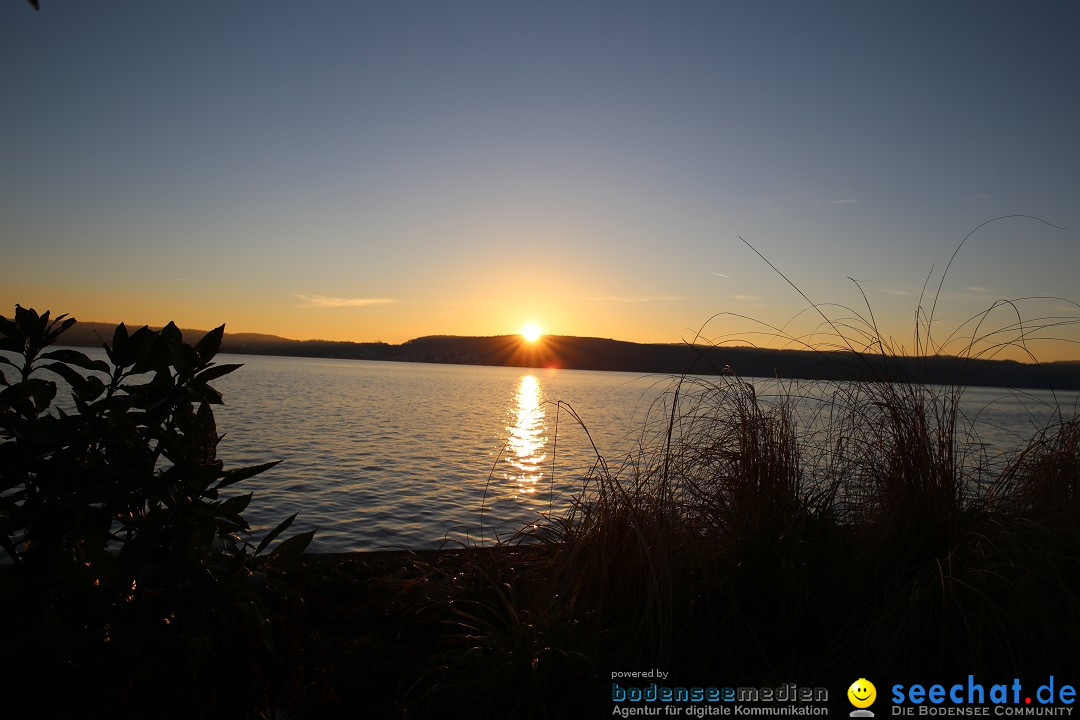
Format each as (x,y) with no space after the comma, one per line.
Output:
(583,353)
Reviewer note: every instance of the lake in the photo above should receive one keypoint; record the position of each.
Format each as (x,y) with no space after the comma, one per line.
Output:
(413,455)
(383,454)
(410,455)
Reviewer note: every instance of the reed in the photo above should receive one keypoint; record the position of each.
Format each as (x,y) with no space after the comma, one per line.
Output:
(770,531)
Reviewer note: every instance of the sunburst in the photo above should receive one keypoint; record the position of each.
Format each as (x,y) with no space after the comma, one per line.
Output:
(532,332)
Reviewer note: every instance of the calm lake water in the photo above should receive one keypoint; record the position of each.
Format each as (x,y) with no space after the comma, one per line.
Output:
(382,454)
(409,455)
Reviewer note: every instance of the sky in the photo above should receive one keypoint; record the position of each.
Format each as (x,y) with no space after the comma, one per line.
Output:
(379,171)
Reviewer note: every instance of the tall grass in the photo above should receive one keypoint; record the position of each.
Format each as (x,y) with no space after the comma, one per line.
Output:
(772,532)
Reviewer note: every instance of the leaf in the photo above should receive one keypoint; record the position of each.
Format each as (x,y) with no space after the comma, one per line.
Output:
(44,392)
(120,338)
(78,359)
(82,406)
(9,328)
(143,337)
(216,371)
(205,393)
(40,391)
(53,332)
(185,359)
(119,352)
(12,396)
(204,436)
(275,532)
(91,389)
(234,476)
(210,344)
(37,327)
(151,395)
(73,378)
(148,351)
(12,344)
(171,336)
(235,505)
(293,547)
(27,320)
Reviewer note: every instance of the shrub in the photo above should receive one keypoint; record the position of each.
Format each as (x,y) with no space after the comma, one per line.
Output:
(132,580)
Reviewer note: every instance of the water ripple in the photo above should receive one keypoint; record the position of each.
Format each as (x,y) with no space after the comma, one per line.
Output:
(411,455)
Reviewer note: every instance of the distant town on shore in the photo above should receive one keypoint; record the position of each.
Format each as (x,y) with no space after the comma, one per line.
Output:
(580,353)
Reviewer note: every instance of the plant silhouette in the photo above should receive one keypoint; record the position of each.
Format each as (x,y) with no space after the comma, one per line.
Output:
(115,517)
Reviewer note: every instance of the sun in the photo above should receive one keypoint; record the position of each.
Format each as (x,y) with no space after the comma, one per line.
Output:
(532,332)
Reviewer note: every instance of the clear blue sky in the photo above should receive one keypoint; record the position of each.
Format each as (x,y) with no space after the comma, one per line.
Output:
(381,171)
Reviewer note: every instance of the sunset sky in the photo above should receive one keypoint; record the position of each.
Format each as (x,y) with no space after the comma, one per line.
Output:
(387,170)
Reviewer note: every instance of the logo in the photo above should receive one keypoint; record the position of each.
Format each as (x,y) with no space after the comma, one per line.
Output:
(862,694)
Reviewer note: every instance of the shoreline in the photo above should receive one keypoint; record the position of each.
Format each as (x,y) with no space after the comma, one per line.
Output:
(676,359)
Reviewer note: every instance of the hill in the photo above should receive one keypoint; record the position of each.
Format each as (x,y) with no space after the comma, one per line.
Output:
(577,353)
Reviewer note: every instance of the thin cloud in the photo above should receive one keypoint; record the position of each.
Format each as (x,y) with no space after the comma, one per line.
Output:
(324,301)
(463,303)
(838,201)
(896,292)
(624,299)
(764,305)
(721,275)
(747,297)
(979,289)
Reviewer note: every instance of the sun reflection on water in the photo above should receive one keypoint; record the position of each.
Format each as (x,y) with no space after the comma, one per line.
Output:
(525,454)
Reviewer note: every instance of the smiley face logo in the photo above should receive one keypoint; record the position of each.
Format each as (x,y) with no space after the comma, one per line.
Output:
(862,693)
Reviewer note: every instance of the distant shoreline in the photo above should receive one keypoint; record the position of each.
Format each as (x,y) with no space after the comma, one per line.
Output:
(576,353)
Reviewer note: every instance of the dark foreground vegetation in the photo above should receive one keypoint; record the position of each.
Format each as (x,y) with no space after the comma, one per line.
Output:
(755,539)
